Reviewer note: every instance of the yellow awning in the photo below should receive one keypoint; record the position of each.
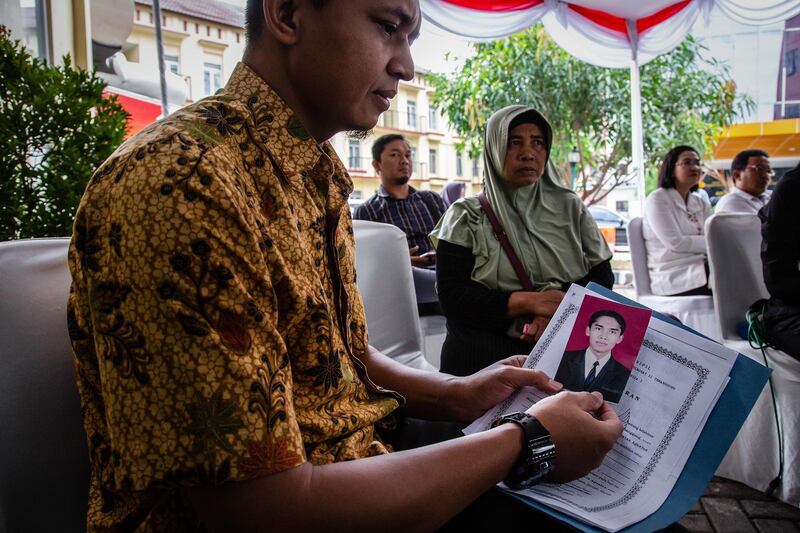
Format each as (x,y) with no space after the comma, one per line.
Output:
(779,138)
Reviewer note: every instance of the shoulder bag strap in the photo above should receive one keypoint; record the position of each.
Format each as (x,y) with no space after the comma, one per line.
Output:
(501,236)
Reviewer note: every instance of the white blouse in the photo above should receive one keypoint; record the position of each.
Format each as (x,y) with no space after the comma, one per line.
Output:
(674,239)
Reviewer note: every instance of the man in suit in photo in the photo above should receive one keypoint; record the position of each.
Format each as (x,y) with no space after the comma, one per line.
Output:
(594,367)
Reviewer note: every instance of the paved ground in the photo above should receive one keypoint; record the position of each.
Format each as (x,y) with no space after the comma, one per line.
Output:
(730,507)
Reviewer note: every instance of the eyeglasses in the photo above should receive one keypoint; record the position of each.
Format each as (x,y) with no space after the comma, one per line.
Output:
(690,163)
(762,169)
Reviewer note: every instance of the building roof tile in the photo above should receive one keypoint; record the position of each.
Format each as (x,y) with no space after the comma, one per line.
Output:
(211,10)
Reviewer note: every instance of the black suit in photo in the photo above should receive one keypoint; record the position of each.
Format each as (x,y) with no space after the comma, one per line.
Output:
(610,381)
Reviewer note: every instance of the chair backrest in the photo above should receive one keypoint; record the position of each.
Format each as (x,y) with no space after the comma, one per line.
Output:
(641,276)
(737,277)
(44,459)
(387,288)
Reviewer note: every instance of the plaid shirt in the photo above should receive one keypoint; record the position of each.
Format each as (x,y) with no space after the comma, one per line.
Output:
(416,215)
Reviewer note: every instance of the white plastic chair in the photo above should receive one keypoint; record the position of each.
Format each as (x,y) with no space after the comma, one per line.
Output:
(384,278)
(697,312)
(44,459)
(734,244)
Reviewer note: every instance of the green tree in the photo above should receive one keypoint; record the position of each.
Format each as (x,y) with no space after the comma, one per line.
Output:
(56,127)
(687,97)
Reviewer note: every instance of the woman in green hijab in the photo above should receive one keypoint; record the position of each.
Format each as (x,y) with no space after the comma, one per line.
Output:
(489,314)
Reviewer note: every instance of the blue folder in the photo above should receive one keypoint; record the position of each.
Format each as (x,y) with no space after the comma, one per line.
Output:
(747,380)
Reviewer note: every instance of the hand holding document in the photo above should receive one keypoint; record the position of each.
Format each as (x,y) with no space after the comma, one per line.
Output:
(662,380)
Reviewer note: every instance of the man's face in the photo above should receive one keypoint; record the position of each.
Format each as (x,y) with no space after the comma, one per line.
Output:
(755,177)
(395,164)
(604,333)
(349,58)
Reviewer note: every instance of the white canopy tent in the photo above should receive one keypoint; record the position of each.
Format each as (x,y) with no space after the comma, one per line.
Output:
(607,33)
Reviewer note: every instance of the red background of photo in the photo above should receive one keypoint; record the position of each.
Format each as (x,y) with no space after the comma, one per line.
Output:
(636,321)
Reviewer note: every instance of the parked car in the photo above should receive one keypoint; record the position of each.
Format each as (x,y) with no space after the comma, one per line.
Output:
(606,218)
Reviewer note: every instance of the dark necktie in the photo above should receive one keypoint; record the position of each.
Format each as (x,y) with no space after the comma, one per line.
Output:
(591,376)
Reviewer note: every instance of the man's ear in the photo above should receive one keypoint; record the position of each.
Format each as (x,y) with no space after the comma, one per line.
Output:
(735,175)
(620,339)
(281,20)
(377,166)
(587,330)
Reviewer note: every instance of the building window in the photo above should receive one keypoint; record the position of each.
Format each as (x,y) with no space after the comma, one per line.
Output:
(138,15)
(354,154)
(474,168)
(790,62)
(219,33)
(208,30)
(238,37)
(185,26)
(27,21)
(197,28)
(411,112)
(413,158)
(622,206)
(432,121)
(459,166)
(173,64)
(212,78)
(432,161)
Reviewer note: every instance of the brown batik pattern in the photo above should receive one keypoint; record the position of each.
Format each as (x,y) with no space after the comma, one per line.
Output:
(215,321)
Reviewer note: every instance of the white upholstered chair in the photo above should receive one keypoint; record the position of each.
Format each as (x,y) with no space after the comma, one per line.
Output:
(44,460)
(697,312)
(387,287)
(734,244)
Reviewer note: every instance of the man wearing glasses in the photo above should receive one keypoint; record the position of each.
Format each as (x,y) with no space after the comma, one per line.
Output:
(751,173)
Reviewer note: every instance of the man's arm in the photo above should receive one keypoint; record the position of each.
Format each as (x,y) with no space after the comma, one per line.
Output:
(395,491)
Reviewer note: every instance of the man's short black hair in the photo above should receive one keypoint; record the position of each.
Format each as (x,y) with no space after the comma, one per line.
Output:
(609,313)
(740,161)
(381,142)
(254,18)
(666,174)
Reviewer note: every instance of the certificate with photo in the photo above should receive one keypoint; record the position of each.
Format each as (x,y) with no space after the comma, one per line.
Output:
(669,381)
(602,347)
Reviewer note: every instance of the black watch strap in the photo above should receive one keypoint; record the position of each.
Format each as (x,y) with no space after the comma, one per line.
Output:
(538,455)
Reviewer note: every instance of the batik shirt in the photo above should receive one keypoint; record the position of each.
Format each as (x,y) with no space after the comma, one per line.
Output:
(214,317)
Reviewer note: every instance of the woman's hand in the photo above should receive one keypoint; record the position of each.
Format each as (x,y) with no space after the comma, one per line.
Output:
(545,303)
(532,331)
(541,304)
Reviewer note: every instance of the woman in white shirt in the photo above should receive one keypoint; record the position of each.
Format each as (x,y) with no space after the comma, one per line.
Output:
(674,216)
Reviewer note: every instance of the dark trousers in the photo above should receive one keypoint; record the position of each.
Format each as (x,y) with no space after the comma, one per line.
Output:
(782,323)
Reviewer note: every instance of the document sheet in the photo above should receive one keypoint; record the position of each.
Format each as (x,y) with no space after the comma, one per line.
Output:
(674,383)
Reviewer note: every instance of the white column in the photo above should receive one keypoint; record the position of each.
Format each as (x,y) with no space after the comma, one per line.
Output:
(637,135)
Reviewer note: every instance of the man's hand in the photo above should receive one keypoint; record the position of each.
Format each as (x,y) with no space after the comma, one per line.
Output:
(534,330)
(474,395)
(420,260)
(583,428)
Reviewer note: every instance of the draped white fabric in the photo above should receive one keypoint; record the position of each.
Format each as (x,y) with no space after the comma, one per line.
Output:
(595,43)
(479,25)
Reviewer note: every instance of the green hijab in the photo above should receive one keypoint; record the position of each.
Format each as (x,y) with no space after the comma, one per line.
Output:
(548,225)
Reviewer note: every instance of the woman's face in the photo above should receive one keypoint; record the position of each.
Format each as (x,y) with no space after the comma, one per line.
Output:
(687,170)
(526,155)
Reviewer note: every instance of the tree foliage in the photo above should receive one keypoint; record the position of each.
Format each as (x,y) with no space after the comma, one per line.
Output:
(56,127)
(687,97)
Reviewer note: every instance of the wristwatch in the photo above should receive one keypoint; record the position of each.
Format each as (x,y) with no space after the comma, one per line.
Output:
(538,457)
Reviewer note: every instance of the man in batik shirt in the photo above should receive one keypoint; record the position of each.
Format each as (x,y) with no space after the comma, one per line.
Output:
(218,334)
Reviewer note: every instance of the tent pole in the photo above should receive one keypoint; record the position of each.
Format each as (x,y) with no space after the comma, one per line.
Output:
(637,134)
(160,50)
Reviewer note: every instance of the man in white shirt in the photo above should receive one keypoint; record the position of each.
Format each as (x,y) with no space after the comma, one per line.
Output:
(751,173)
